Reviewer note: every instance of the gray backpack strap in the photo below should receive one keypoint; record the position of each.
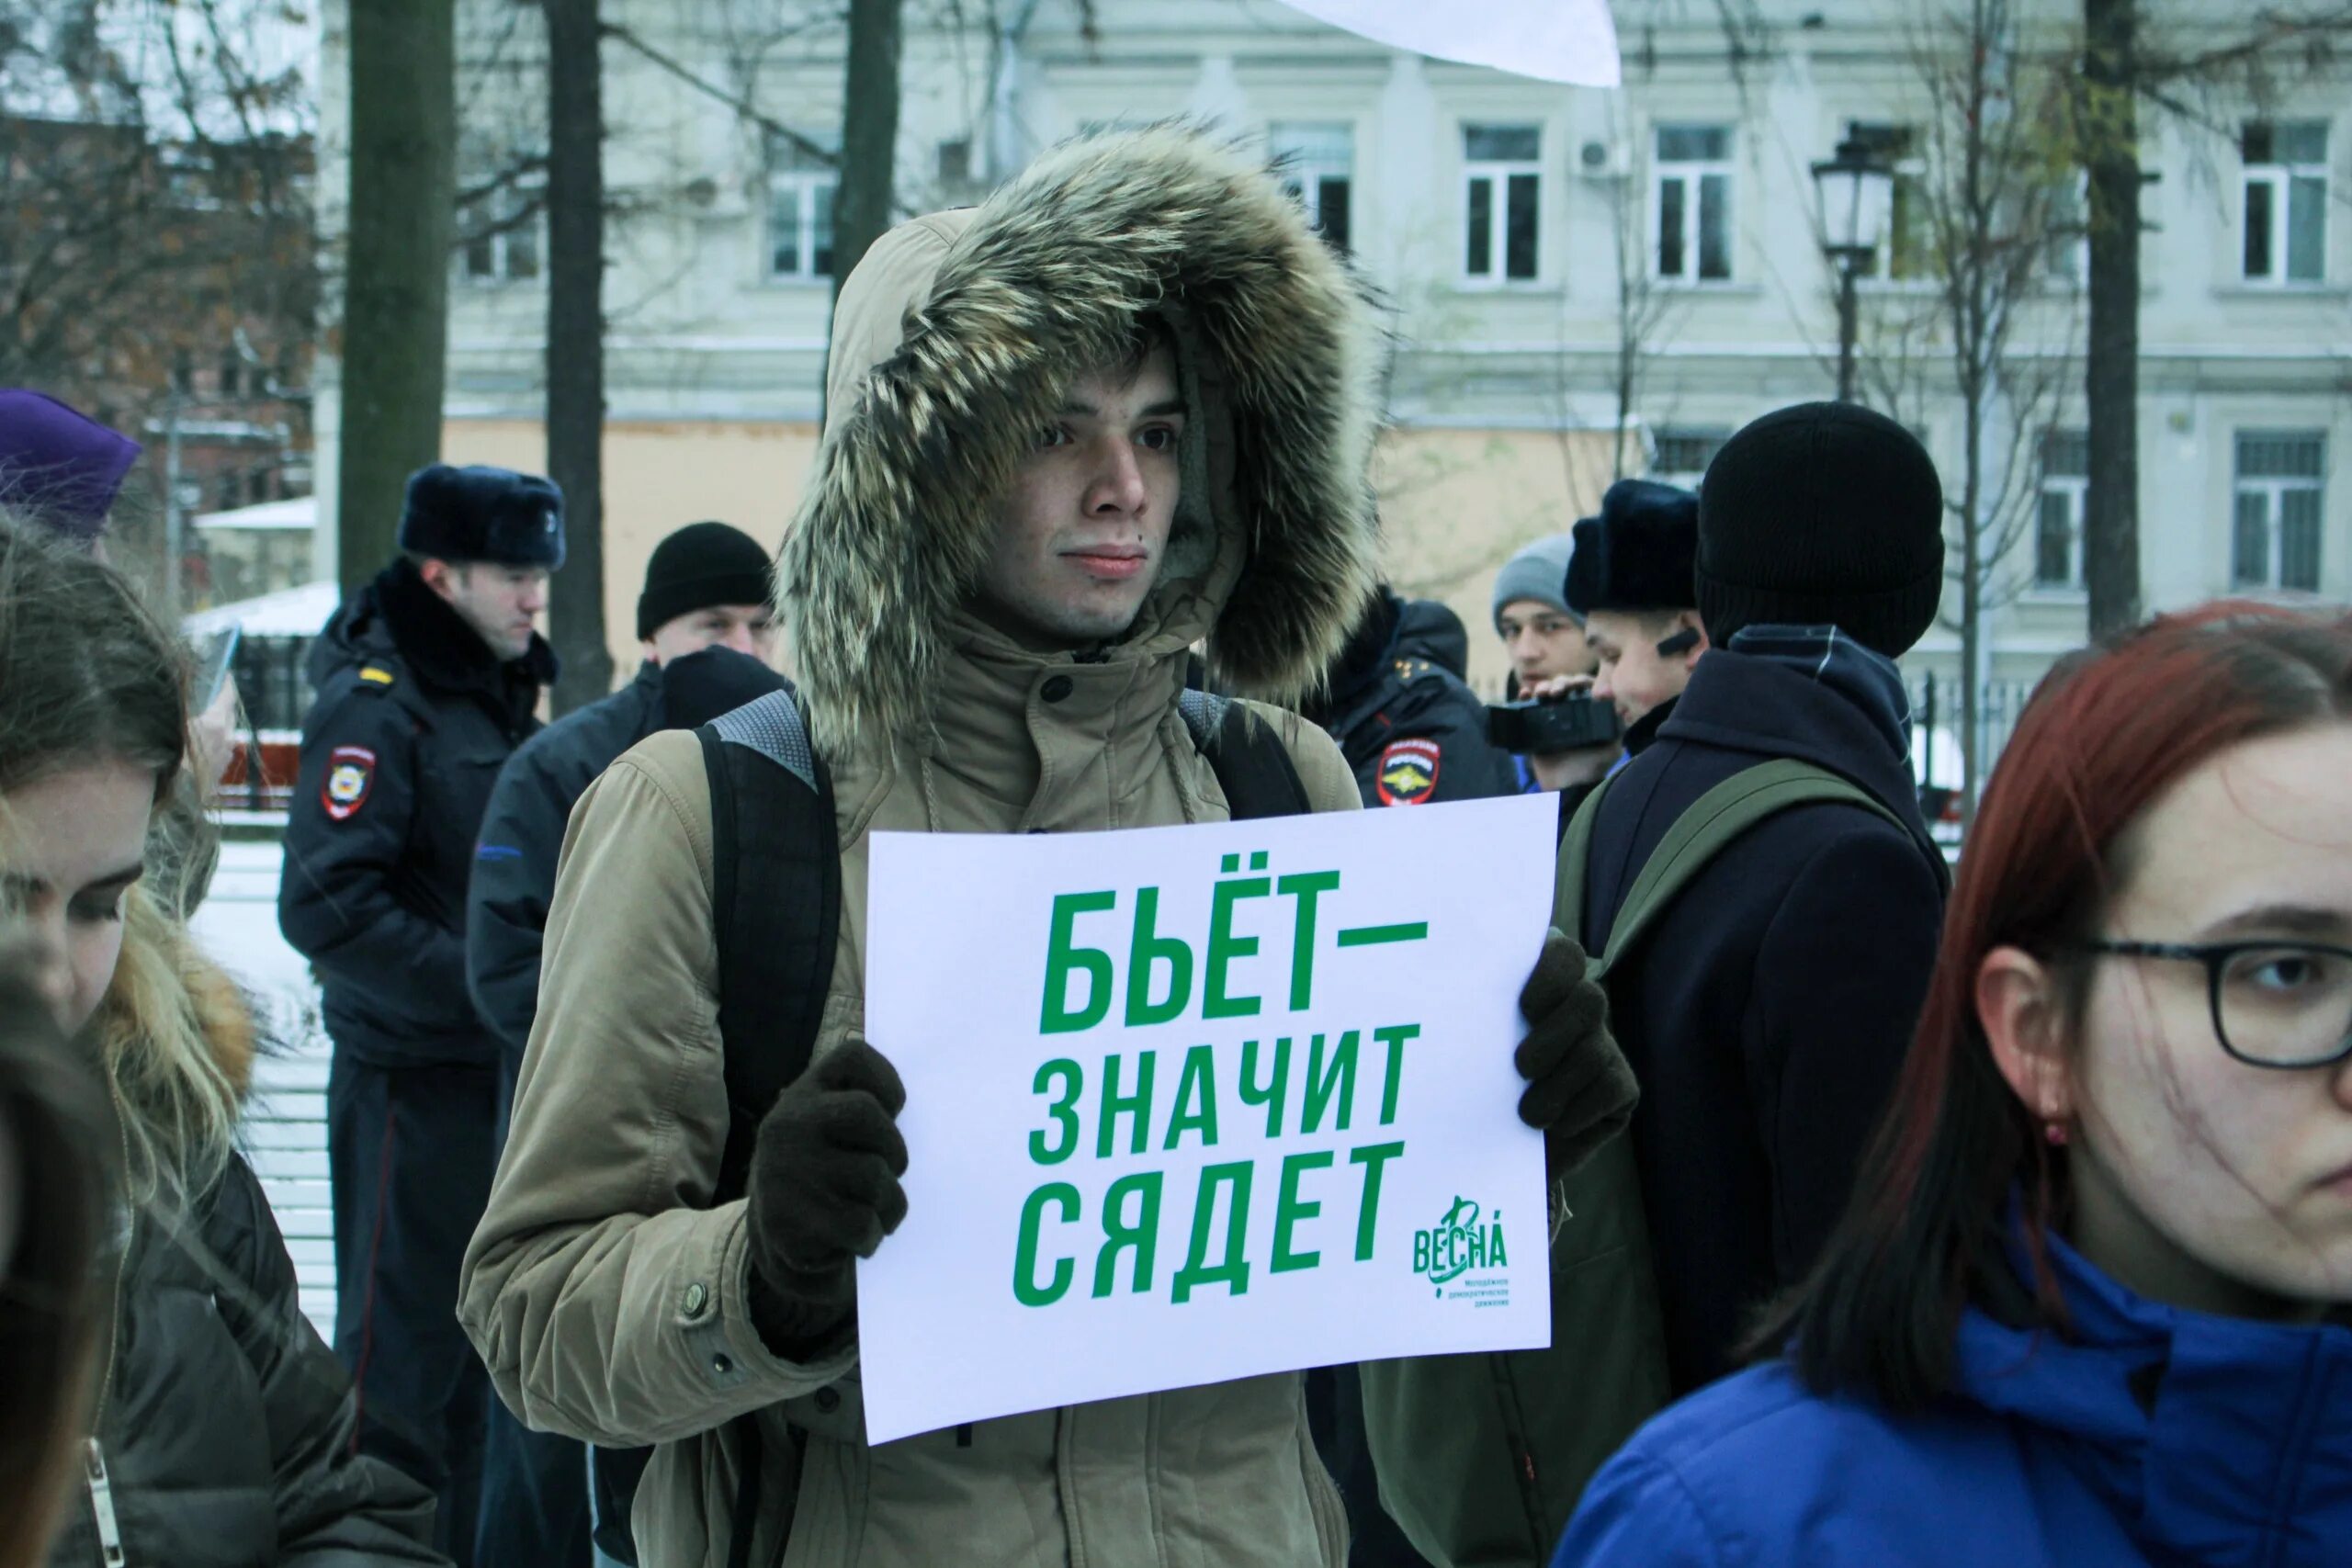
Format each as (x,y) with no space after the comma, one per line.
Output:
(772,726)
(1714,821)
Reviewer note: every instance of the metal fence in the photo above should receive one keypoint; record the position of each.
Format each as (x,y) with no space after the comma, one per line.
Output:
(274,684)
(1935,705)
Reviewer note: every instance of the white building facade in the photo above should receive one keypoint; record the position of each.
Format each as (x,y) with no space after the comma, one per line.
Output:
(1549,254)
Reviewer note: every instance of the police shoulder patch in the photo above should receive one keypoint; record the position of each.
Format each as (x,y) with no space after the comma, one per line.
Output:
(351,771)
(1407,774)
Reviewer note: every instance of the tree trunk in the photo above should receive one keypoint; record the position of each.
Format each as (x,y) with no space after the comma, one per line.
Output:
(2112,373)
(396,272)
(575,409)
(869,133)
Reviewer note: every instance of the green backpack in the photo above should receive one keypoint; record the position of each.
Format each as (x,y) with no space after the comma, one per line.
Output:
(1482,1457)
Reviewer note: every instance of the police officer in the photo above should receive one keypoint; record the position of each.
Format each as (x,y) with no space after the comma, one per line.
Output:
(427,680)
(708,630)
(1406,721)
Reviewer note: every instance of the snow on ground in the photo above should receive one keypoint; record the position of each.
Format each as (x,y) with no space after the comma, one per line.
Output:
(285,1127)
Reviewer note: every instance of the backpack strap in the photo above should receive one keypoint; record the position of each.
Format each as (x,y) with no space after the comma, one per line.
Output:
(1576,852)
(775,908)
(1712,822)
(1252,765)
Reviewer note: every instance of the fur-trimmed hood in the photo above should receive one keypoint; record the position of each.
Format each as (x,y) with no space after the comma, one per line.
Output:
(955,340)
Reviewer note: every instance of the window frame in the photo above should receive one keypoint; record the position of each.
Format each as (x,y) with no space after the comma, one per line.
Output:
(2274,488)
(1303,176)
(790,173)
(1688,479)
(2278,178)
(2075,486)
(1692,174)
(1499,173)
(501,244)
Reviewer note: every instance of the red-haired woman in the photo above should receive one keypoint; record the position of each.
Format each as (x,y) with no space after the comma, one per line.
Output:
(2086,1307)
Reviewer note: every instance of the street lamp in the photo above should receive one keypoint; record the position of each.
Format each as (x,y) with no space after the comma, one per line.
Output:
(1856,189)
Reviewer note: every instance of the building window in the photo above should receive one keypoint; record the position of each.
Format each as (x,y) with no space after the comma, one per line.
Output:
(801,180)
(1907,250)
(506,249)
(2275,540)
(2285,201)
(955,161)
(2058,524)
(1690,191)
(1502,183)
(1319,169)
(1683,452)
(2067,259)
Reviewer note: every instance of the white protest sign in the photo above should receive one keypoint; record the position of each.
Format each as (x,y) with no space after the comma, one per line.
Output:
(1190,1104)
(1552,41)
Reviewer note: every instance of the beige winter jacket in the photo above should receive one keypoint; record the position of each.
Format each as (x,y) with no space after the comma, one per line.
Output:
(604,1291)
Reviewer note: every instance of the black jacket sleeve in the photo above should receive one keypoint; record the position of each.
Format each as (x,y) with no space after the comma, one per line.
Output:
(1451,718)
(508,893)
(335,1508)
(1840,977)
(338,900)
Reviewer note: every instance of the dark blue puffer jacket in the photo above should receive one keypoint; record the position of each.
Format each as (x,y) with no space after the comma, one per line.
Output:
(2150,1436)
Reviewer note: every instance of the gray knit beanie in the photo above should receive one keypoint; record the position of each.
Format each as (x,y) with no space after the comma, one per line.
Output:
(1539,572)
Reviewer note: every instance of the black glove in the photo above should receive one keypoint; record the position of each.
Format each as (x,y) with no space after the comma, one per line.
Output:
(1580,1090)
(823,1191)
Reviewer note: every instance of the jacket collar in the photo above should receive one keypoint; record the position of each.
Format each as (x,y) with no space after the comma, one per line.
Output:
(1779,707)
(2221,1441)
(1057,741)
(442,651)
(1645,729)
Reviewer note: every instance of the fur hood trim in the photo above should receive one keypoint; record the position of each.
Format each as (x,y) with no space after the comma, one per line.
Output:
(955,339)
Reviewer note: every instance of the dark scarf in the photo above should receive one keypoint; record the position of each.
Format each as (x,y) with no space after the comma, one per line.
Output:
(443,651)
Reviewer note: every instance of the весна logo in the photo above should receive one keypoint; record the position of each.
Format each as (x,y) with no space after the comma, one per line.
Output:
(1458,1244)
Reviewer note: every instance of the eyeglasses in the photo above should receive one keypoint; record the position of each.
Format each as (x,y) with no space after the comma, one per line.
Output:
(2276,1004)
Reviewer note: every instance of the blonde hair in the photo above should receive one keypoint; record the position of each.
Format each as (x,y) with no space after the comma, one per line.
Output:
(169,1032)
(88,672)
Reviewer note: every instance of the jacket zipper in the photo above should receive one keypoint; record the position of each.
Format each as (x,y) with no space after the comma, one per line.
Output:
(102,1508)
(101,1487)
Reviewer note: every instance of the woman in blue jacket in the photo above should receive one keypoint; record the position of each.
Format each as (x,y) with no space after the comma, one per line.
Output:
(2088,1305)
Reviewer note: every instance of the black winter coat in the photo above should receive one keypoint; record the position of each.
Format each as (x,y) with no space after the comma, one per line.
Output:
(1414,732)
(522,833)
(414,717)
(1767,1011)
(227,1426)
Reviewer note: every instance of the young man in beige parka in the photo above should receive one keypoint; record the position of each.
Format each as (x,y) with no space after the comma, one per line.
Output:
(1124,407)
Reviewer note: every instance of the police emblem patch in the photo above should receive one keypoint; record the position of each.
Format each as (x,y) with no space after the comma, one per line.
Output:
(1409,772)
(350,770)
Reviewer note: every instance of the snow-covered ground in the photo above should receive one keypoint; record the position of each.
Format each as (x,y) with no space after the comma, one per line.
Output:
(285,1128)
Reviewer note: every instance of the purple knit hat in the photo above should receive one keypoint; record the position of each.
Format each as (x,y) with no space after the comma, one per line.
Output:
(62,467)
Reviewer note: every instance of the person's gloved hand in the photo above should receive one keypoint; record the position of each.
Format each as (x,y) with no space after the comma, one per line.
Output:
(1580,1090)
(823,1191)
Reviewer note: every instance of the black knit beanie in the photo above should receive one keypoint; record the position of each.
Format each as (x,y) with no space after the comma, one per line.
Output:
(1824,514)
(700,564)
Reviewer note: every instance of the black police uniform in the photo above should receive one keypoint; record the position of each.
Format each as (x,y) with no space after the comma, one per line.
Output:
(414,717)
(1408,725)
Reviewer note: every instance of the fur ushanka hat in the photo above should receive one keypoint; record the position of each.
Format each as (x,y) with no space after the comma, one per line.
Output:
(1640,553)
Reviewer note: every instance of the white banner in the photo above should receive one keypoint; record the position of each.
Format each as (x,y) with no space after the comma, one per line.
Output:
(1552,41)
(1190,1104)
